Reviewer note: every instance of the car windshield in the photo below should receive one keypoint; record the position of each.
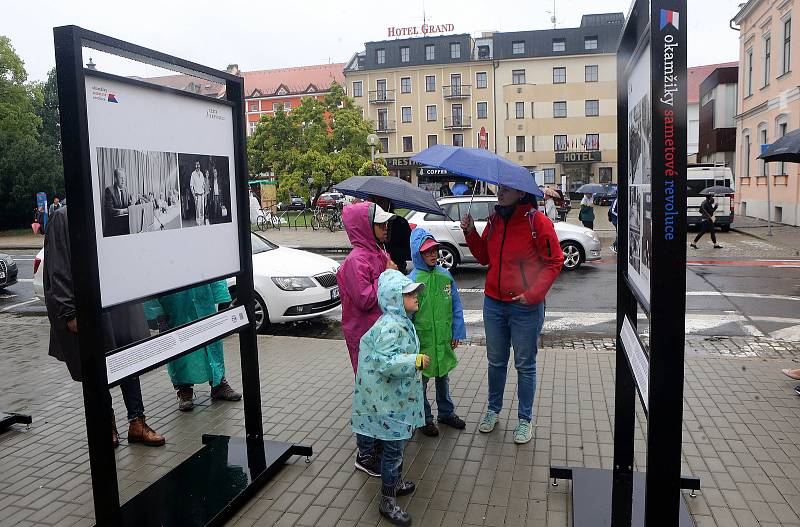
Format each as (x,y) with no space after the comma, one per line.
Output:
(260,244)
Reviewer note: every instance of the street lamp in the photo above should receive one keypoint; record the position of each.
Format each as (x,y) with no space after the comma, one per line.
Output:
(372,139)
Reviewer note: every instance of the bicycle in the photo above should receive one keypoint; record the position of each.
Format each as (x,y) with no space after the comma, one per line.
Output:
(266,220)
(319,218)
(335,220)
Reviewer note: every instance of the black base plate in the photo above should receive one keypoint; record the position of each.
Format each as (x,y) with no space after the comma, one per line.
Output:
(591,499)
(210,486)
(6,420)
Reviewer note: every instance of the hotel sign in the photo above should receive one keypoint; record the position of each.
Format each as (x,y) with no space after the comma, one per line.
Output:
(424,29)
(579,157)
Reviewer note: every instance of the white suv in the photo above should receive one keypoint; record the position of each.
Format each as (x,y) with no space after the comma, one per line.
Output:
(578,243)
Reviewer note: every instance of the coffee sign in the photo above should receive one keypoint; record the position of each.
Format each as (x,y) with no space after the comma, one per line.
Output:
(578,157)
(424,29)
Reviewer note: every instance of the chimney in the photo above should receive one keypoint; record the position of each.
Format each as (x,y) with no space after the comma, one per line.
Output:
(233,69)
(91,65)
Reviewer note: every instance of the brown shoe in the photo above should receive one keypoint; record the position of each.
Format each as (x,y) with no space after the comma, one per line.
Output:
(139,432)
(114,433)
(224,392)
(185,399)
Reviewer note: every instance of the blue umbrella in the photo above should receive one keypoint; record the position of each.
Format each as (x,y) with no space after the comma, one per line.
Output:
(480,164)
(459,189)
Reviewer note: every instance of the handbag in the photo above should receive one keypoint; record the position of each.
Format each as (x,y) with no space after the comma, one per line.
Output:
(36,226)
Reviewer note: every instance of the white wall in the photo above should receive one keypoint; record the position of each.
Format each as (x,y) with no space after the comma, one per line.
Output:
(693,128)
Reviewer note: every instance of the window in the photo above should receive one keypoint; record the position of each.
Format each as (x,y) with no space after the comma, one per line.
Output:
(405,54)
(358,89)
(430,82)
(483,110)
(253,125)
(533,109)
(590,73)
(383,119)
(782,129)
(483,52)
(253,106)
(518,47)
(430,52)
(287,107)
(763,139)
(560,109)
(592,141)
(518,77)
(560,143)
(748,81)
(455,50)
(519,110)
(481,80)
(559,75)
(767,56)
(533,143)
(606,174)
(559,44)
(380,56)
(431,112)
(433,140)
(746,155)
(590,42)
(408,143)
(455,84)
(549,176)
(406,114)
(520,143)
(458,139)
(405,85)
(592,108)
(384,144)
(787,46)
(276,107)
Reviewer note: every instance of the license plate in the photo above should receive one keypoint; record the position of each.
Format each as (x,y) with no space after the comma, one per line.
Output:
(334,293)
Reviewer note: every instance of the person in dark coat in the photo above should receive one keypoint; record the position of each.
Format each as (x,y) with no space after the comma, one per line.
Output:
(121,325)
(399,244)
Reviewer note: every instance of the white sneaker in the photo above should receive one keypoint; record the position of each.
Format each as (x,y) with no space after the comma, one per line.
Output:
(489,422)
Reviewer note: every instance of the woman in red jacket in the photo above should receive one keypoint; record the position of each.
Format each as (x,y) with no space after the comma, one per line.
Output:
(521,249)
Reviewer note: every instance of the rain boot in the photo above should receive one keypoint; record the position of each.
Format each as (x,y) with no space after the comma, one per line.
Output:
(390,510)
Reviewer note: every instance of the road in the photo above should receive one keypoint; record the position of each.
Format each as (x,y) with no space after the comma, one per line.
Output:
(749,287)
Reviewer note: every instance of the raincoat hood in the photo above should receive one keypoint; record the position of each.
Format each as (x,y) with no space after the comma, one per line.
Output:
(390,292)
(418,237)
(357,221)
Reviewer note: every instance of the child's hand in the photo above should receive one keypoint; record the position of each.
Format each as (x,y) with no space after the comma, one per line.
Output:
(455,343)
(391,265)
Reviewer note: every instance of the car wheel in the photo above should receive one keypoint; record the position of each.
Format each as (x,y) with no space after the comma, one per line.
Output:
(260,313)
(448,257)
(573,255)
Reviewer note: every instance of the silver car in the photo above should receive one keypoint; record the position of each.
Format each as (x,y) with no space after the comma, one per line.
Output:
(578,243)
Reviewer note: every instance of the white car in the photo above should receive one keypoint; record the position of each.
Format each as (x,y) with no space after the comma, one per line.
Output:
(578,243)
(289,284)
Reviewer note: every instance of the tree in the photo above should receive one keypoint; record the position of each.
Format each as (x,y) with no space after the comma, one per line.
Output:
(27,163)
(317,145)
(376,168)
(46,105)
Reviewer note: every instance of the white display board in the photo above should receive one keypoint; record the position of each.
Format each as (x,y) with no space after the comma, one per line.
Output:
(640,148)
(164,181)
(640,364)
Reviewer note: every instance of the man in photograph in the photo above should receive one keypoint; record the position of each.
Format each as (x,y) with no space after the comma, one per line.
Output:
(116,201)
(197,184)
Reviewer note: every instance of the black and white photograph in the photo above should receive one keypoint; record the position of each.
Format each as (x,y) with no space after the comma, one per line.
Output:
(205,189)
(634,251)
(639,142)
(647,231)
(634,209)
(138,191)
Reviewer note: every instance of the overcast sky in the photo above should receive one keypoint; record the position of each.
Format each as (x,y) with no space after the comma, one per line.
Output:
(263,35)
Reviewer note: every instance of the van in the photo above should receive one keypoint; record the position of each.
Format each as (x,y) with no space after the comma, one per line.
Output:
(701,176)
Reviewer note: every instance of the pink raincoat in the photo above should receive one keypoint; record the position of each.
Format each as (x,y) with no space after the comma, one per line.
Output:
(358,276)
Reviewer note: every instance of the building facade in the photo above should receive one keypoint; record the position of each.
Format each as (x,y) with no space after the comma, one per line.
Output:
(769,107)
(717,127)
(545,99)
(694,78)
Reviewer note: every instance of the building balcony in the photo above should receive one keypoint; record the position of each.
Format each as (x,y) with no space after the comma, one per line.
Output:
(381,96)
(385,126)
(457,91)
(457,122)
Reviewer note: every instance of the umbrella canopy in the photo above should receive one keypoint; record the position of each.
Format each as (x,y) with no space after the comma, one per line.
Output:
(550,192)
(716,190)
(400,193)
(591,188)
(787,148)
(459,189)
(480,164)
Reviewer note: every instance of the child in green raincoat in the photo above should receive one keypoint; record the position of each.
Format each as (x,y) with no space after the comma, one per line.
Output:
(440,327)
(387,399)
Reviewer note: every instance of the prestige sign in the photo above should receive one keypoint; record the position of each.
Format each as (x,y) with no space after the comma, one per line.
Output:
(424,29)
(578,157)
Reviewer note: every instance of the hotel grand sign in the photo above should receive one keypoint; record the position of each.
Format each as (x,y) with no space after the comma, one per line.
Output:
(591,156)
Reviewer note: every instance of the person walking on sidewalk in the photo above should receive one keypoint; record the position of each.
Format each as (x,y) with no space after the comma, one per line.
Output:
(387,397)
(366,226)
(586,214)
(121,325)
(520,246)
(707,210)
(613,217)
(206,364)
(440,327)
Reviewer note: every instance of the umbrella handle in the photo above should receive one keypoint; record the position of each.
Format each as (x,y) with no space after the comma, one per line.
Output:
(469,208)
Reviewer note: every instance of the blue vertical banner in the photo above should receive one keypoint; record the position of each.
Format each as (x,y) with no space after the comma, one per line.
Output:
(41,203)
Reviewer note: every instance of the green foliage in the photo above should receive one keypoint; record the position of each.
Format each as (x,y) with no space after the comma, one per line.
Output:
(378,168)
(30,161)
(317,145)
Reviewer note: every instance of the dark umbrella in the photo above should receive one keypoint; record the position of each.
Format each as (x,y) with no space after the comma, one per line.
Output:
(591,188)
(400,193)
(716,190)
(786,149)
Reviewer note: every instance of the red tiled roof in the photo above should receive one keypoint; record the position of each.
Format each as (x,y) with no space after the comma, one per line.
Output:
(696,76)
(295,80)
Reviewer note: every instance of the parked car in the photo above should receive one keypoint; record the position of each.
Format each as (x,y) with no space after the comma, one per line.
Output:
(330,200)
(578,243)
(8,271)
(294,203)
(608,196)
(290,284)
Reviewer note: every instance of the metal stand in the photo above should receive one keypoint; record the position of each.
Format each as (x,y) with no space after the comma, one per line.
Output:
(7,420)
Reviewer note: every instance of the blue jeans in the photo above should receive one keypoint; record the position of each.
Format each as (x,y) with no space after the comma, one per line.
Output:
(507,324)
(444,403)
(391,465)
(132,395)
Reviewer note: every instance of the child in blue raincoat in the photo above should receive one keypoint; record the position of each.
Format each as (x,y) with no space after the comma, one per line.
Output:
(387,399)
